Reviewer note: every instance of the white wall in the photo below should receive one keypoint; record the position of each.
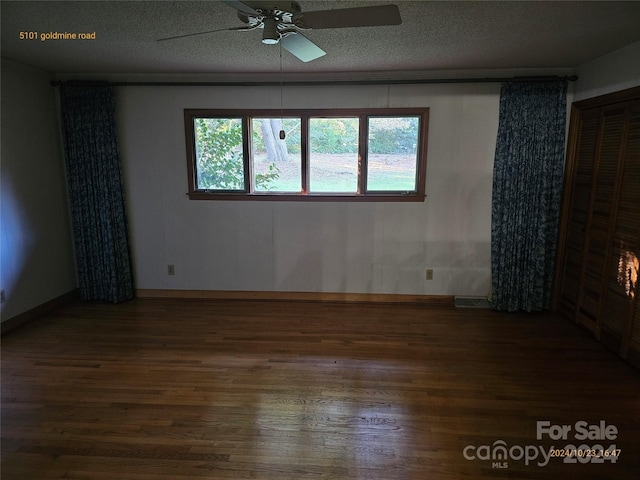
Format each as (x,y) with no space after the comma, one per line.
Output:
(271,246)
(36,258)
(615,71)
(303,246)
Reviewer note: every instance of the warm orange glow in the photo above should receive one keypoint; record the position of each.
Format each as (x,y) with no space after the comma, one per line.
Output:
(628,266)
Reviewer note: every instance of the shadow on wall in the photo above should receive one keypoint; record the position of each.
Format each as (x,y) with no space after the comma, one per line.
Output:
(317,273)
(460,268)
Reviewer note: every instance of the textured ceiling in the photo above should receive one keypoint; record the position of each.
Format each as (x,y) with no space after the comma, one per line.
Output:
(434,36)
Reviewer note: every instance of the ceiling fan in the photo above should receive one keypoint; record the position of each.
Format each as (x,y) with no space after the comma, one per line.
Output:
(283,21)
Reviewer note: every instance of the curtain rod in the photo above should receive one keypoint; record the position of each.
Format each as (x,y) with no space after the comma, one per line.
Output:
(89,83)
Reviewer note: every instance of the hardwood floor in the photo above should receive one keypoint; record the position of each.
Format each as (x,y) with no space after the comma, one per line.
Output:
(200,389)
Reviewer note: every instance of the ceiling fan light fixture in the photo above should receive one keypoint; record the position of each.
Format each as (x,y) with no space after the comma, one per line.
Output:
(282,22)
(270,35)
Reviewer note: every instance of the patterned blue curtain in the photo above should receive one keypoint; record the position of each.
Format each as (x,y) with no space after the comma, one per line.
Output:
(527,190)
(96,193)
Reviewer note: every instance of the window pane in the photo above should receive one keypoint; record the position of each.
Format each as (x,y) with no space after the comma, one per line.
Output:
(392,153)
(277,164)
(333,160)
(219,161)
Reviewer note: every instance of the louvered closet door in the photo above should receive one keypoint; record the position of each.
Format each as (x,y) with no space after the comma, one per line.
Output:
(622,312)
(579,206)
(633,352)
(598,248)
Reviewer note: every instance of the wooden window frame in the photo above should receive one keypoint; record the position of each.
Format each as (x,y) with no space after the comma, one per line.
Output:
(305,114)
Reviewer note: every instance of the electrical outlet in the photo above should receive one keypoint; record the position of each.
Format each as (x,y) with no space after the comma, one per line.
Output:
(429,275)
(171,270)
(3,297)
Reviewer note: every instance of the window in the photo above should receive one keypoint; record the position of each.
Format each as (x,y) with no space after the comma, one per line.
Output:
(366,154)
(333,155)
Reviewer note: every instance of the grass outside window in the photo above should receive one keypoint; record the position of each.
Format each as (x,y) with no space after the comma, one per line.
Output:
(361,154)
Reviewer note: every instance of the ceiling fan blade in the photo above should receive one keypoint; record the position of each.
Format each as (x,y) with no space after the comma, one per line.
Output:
(351,17)
(241,7)
(301,47)
(210,31)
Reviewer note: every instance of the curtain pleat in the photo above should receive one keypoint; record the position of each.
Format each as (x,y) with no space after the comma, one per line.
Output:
(96,193)
(527,190)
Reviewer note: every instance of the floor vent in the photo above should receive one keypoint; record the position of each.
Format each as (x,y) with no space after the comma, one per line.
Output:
(472,302)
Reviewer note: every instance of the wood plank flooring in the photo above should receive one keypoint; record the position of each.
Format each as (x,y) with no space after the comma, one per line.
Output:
(200,389)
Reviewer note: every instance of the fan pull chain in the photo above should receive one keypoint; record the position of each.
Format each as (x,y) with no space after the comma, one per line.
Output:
(282,134)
